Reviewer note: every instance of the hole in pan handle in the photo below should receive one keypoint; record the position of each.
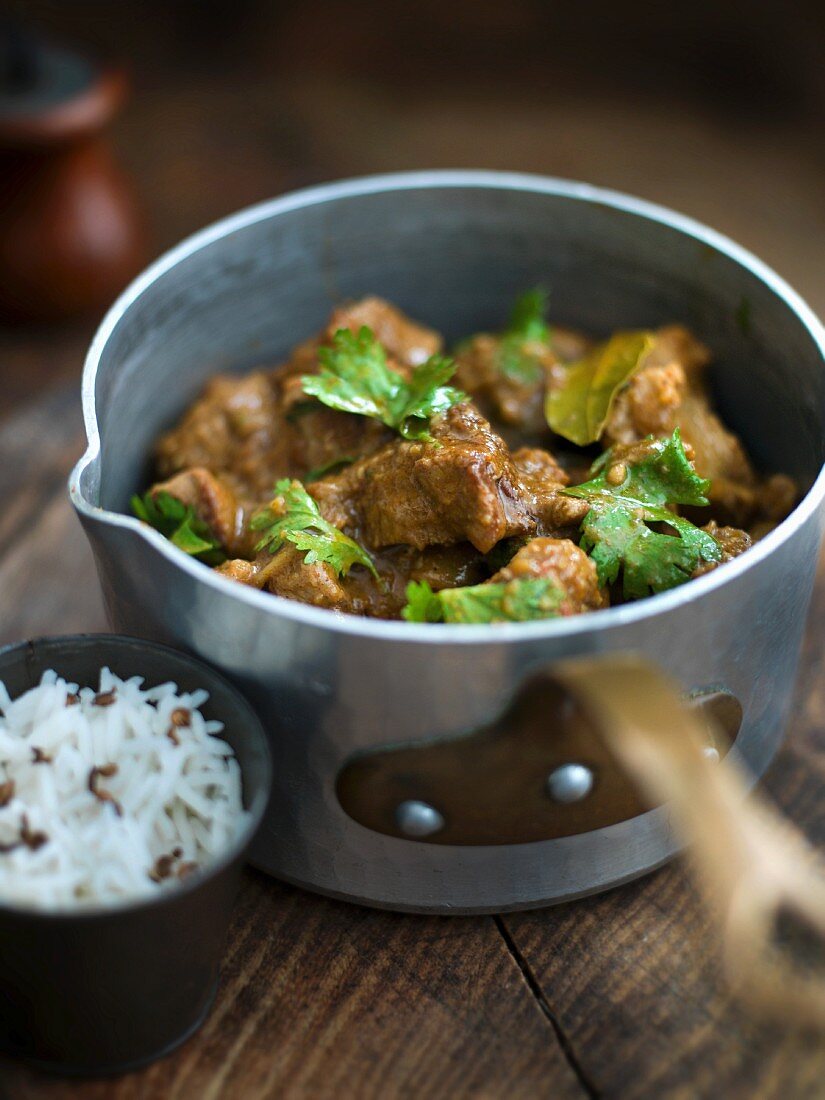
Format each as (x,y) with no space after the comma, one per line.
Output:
(753,867)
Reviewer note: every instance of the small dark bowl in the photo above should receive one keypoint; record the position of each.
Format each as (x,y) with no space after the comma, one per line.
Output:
(102,990)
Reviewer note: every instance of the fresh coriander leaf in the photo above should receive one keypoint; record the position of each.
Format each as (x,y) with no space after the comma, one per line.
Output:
(516,601)
(657,472)
(630,492)
(427,394)
(423,605)
(178,522)
(186,538)
(331,467)
(579,407)
(527,326)
(527,317)
(293,516)
(354,377)
(617,536)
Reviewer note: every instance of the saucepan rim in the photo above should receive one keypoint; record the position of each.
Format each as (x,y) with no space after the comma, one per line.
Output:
(439,633)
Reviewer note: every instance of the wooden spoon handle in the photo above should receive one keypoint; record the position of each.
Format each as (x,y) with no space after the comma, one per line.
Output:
(752,865)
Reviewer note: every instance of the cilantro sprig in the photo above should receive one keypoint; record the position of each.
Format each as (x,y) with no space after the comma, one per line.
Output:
(355,378)
(515,601)
(293,516)
(527,326)
(178,522)
(628,498)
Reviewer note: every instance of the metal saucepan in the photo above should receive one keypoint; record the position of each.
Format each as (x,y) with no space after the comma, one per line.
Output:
(472,769)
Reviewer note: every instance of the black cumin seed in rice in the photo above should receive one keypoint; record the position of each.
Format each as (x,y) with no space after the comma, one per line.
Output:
(105,699)
(106,771)
(40,757)
(162,868)
(32,840)
(72,699)
(6,792)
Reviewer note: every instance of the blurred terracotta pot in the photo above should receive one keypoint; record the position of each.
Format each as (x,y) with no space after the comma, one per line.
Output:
(71,232)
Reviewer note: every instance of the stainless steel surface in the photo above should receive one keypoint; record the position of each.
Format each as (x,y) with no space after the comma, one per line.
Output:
(418,819)
(490,783)
(570,783)
(452,249)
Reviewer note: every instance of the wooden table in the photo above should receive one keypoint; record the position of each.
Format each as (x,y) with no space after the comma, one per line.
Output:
(617,996)
(614,996)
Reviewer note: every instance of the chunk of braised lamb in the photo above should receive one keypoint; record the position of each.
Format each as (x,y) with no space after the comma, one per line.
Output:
(406,342)
(651,400)
(732,542)
(668,392)
(561,561)
(737,494)
(460,487)
(235,428)
(403,338)
(213,501)
(515,397)
(720,456)
(321,436)
(542,479)
(648,405)
(243,571)
(287,574)
(324,438)
(440,566)
(677,344)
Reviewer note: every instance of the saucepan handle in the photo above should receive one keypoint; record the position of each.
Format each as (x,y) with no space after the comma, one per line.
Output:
(752,866)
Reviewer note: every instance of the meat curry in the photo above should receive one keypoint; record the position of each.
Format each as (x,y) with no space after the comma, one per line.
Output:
(533,473)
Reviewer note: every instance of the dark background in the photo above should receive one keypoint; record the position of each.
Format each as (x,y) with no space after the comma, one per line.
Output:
(716,109)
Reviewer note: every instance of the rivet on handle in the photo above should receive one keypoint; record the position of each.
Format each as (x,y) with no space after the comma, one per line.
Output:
(570,783)
(416,818)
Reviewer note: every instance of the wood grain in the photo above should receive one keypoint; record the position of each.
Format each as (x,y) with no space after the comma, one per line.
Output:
(318,998)
(617,996)
(633,976)
(47,581)
(321,999)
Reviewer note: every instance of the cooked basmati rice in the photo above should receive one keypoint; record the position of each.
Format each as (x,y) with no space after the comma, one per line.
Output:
(112,794)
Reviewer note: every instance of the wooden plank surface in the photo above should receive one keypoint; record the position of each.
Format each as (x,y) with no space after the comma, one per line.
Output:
(318,998)
(618,996)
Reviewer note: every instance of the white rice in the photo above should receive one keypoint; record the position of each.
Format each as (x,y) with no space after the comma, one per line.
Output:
(72,835)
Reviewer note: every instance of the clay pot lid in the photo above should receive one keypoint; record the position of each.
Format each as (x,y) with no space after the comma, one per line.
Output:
(49,94)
